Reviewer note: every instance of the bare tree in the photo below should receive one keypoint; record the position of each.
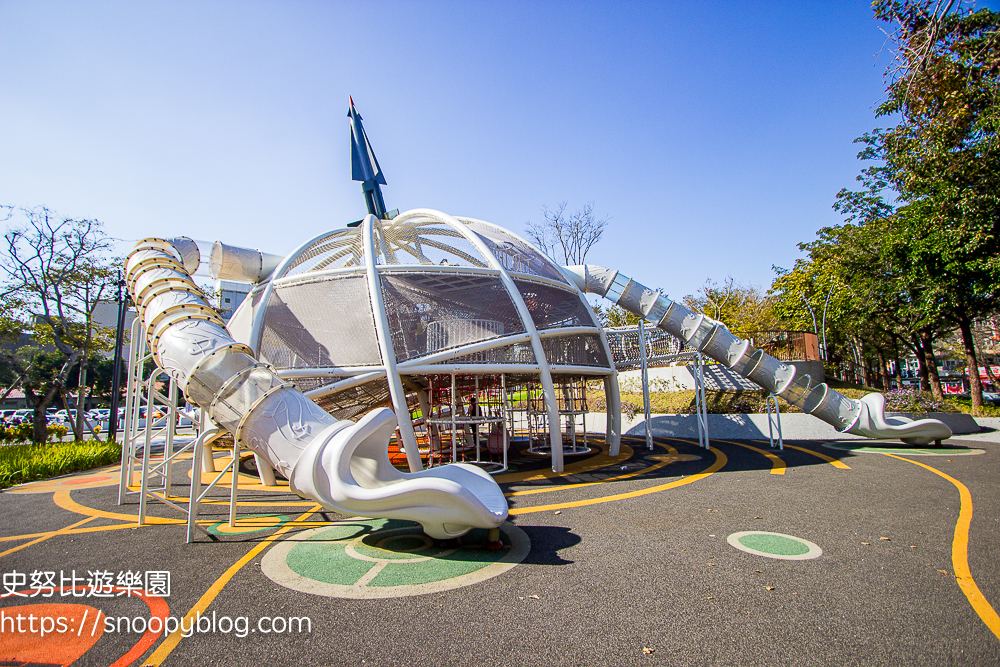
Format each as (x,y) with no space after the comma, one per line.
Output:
(571,235)
(57,271)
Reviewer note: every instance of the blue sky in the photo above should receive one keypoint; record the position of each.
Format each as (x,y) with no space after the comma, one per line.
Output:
(715,134)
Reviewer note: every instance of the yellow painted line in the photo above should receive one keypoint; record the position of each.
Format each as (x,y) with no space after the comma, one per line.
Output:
(64,500)
(960,551)
(777,465)
(245,503)
(170,643)
(68,531)
(829,459)
(61,531)
(720,461)
(560,487)
(602,460)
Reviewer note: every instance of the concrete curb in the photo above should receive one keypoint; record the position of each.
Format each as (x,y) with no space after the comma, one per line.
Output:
(794,426)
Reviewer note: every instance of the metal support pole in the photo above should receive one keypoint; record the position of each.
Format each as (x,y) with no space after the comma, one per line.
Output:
(196,467)
(700,407)
(136,352)
(503,424)
(168,446)
(387,350)
(454,435)
(146,446)
(116,373)
(645,382)
(774,419)
(235,488)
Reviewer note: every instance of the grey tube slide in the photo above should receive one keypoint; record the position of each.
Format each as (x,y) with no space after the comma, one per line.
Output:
(865,417)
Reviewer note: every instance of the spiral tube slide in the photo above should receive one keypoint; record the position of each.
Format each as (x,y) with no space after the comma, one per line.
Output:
(341,465)
(699,332)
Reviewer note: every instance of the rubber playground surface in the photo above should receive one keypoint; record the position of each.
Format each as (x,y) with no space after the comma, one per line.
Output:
(826,553)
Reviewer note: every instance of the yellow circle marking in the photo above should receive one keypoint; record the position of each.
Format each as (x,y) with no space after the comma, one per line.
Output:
(829,459)
(244,480)
(673,458)
(720,461)
(91,479)
(250,524)
(602,460)
(777,465)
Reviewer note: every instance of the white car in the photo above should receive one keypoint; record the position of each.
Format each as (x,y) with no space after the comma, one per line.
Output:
(67,419)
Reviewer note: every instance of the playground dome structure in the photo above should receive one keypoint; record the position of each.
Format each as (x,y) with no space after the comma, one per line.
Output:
(461,325)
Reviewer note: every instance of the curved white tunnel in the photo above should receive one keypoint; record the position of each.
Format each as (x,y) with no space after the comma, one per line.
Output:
(341,465)
(865,417)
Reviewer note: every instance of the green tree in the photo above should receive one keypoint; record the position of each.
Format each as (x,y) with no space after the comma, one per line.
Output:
(615,316)
(942,160)
(745,309)
(57,271)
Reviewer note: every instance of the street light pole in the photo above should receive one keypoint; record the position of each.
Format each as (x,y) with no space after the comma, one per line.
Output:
(116,372)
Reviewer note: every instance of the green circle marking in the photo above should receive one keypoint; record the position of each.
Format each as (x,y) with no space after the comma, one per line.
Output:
(382,558)
(862,448)
(774,545)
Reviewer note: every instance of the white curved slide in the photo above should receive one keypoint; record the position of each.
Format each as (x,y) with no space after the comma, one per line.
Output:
(865,417)
(341,465)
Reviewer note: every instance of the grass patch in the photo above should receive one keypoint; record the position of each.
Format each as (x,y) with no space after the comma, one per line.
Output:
(965,405)
(682,402)
(27,463)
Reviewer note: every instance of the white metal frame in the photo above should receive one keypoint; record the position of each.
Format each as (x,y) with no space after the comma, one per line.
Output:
(372,243)
(645,383)
(139,436)
(696,365)
(699,397)
(774,420)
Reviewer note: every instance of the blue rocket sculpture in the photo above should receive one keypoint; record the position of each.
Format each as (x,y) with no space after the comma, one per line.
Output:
(364,166)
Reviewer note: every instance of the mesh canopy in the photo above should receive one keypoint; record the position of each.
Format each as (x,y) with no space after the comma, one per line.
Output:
(323,323)
(352,402)
(434,311)
(424,241)
(518,353)
(624,344)
(440,292)
(308,384)
(514,254)
(575,350)
(553,307)
(336,250)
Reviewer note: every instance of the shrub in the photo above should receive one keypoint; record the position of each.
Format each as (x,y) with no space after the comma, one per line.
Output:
(26,463)
(912,400)
(629,409)
(23,432)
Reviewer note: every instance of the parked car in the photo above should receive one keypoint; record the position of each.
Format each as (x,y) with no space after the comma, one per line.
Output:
(63,416)
(67,419)
(21,416)
(993,398)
